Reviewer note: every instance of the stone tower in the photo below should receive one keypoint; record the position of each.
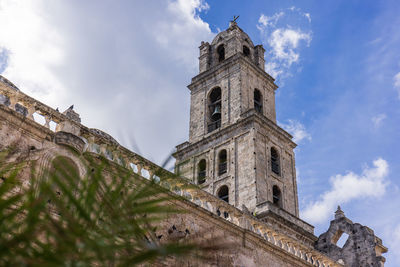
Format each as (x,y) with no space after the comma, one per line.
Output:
(236,150)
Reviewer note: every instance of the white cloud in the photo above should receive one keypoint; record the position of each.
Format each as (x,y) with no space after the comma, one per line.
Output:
(125,66)
(186,20)
(297,130)
(283,40)
(308,16)
(344,188)
(33,47)
(274,69)
(378,119)
(397,82)
(270,21)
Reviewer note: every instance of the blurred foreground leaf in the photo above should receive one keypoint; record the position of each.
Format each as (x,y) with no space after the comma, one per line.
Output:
(106,218)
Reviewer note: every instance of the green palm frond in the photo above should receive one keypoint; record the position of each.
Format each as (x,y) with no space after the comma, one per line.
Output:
(106,218)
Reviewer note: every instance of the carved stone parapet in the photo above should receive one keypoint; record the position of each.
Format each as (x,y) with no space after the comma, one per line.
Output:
(47,119)
(13,101)
(68,126)
(31,110)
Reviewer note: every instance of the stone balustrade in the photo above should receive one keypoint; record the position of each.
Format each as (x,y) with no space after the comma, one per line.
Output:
(31,108)
(246,221)
(100,143)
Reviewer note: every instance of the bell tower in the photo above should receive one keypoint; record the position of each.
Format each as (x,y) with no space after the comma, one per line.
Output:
(236,151)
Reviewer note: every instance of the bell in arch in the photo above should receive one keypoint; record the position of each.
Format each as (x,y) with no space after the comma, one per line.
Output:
(216,115)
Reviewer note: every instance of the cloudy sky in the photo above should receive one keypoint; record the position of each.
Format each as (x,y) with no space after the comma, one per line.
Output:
(125,66)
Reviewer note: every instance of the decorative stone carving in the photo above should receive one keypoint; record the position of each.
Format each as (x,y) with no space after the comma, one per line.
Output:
(71,140)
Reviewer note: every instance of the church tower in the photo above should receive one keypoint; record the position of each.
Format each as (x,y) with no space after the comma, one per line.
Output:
(236,151)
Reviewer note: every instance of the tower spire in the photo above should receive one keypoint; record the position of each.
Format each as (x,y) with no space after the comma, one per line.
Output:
(339,213)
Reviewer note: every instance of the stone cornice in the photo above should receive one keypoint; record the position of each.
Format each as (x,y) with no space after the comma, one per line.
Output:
(247,117)
(289,219)
(239,57)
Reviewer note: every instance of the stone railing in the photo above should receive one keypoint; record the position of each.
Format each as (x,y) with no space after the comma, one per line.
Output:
(31,108)
(74,134)
(182,187)
(98,142)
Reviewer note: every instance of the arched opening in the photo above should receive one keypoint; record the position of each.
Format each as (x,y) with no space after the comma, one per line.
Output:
(63,177)
(64,169)
(275,161)
(221,52)
(223,193)
(246,51)
(214,109)
(201,173)
(21,109)
(222,162)
(258,101)
(276,196)
(4,100)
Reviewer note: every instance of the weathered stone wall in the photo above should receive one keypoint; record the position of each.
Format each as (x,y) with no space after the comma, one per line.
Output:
(239,176)
(242,247)
(266,178)
(251,80)
(245,175)
(263,168)
(362,247)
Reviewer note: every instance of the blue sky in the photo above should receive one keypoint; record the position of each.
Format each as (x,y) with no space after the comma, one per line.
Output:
(125,66)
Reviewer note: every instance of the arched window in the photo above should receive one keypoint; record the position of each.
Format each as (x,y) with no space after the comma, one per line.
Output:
(201,173)
(276,196)
(246,51)
(275,161)
(223,193)
(258,101)
(221,52)
(214,109)
(222,162)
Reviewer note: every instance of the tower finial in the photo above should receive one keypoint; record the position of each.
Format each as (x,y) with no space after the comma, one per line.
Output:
(233,22)
(339,213)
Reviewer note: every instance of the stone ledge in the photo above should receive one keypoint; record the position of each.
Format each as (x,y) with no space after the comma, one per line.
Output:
(228,62)
(268,209)
(247,117)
